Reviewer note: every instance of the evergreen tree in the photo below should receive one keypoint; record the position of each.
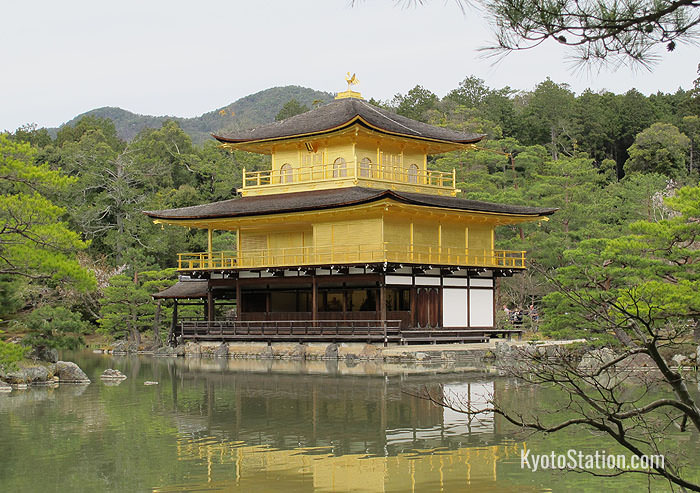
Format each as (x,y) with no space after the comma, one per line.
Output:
(35,242)
(127,307)
(290,109)
(661,148)
(635,285)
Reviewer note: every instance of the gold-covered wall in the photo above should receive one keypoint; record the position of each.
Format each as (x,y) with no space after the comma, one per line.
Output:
(383,231)
(480,237)
(351,157)
(353,240)
(352,147)
(446,234)
(454,235)
(366,236)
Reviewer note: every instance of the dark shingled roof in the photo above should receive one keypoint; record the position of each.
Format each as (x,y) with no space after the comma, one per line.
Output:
(333,198)
(342,113)
(184,290)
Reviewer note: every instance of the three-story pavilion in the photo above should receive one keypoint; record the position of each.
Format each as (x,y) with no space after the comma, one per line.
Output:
(348,235)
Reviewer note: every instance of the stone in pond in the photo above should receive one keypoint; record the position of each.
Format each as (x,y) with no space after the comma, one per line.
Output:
(69,372)
(112,374)
(27,375)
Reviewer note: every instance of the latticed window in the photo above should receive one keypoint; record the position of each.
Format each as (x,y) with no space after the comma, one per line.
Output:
(312,158)
(366,167)
(388,159)
(340,169)
(286,173)
(390,166)
(413,173)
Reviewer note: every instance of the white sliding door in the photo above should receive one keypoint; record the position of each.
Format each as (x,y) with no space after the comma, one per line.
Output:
(454,307)
(481,308)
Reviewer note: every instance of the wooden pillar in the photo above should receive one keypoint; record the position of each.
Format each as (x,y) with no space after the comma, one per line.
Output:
(173,325)
(239,303)
(314,297)
(382,300)
(345,302)
(378,305)
(496,295)
(413,301)
(210,305)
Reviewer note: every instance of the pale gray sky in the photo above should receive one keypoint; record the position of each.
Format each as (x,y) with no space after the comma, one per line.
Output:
(184,58)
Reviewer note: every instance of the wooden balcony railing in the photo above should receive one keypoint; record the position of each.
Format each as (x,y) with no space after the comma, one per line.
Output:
(370,172)
(351,254)
(292,330)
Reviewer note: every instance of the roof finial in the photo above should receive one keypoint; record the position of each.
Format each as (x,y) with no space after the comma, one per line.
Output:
(351,80)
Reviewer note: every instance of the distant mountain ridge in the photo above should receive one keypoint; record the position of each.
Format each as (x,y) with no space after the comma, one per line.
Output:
(246,112)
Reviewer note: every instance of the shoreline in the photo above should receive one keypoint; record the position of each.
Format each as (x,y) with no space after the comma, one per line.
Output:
(479,357)
(38,373)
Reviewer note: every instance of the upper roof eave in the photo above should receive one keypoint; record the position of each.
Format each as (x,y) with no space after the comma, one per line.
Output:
(340,114)
(332,199)
(348,124)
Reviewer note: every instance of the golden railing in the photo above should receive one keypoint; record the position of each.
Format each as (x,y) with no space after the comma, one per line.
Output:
(350,169)
(351,254)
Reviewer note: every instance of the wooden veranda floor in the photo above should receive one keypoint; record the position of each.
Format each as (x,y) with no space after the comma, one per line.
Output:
(369,331)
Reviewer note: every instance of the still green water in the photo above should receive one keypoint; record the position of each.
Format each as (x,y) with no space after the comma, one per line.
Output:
(232,425)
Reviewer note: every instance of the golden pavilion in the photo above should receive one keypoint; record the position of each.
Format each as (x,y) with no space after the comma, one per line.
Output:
(349,236)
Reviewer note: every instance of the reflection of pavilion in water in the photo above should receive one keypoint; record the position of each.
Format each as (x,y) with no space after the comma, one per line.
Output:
(235,465)
(454,425)
(339,432)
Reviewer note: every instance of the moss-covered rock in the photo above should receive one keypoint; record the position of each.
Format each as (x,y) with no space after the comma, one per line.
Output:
(69,372)
(29,372)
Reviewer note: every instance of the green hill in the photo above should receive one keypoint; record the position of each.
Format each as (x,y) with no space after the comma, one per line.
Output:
(246,112)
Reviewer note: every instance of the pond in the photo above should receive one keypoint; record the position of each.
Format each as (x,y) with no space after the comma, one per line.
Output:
(243,425)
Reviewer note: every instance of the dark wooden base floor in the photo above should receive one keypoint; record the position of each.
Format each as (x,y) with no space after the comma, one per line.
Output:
(369,331)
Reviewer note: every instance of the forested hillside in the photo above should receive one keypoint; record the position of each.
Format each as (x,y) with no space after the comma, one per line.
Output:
(261,107)
(75,244)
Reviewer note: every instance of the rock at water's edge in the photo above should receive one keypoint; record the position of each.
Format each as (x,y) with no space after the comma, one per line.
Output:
(331,351)
(69,372)
(221,351)
(193,349)
(422,357)
(27,375)
(165,351)
(5,387)
(119,347)
(595,359)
